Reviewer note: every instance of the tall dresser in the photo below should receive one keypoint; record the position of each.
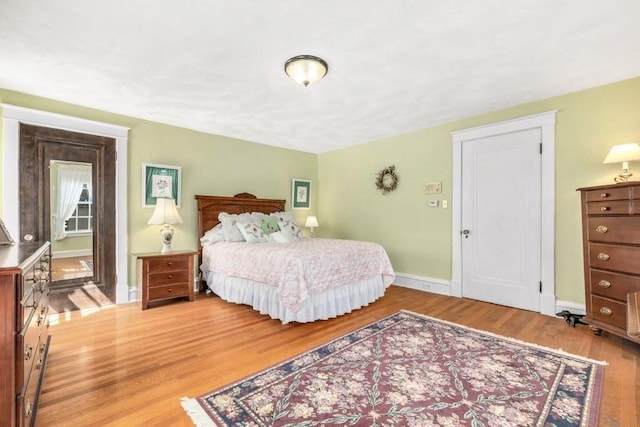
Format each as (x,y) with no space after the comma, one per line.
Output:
(24,331)
(611,238)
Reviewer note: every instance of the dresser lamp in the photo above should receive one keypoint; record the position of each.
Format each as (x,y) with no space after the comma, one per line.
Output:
(165,214)
(311,223)
(623,153)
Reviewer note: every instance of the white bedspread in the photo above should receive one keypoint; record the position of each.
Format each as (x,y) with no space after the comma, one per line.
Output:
(302,268)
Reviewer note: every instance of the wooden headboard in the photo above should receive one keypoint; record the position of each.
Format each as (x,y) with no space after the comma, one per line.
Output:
(209,207)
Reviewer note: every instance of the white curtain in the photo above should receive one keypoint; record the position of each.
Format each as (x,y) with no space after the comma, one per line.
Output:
(71,179)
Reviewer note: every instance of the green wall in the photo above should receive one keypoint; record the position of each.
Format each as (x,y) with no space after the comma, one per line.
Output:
(211,165)
(418,238)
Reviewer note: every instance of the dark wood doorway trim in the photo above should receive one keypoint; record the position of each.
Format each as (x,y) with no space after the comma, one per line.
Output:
(39,145)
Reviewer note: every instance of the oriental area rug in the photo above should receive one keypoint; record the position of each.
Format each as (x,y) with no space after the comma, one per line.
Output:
(412,370)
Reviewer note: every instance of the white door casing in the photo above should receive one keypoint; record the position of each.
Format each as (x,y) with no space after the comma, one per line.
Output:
(545,122)
(501,219)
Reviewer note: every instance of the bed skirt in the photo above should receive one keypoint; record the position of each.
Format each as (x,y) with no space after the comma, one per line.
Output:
(264,298)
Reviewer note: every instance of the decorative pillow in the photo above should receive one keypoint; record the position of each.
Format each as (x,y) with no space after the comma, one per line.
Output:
(269,224)
(287,223)
(229,221)
(252,232)
(213,236)
(282,237)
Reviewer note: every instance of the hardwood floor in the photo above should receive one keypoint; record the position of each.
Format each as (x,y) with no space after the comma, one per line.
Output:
(120,365)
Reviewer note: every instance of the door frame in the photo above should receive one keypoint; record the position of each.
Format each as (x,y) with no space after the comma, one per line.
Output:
(12,117)
(546,122)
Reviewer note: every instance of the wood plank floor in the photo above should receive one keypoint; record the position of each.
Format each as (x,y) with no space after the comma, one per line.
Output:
(121,366)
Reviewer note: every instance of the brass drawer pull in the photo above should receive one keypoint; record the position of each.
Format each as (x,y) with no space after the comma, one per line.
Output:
(604,208)
(27,352)
(604,284)
(169,263)
(28,409)
(169,276)
(604,195)
(601,229)
(606,311)
(603,256)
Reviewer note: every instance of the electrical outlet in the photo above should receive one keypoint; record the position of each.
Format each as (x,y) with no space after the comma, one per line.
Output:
(444,204)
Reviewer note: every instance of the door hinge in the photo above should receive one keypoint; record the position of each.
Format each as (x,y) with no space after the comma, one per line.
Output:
(540,286)
(541,148)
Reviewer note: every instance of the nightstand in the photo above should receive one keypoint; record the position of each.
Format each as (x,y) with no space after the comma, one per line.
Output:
(165,276)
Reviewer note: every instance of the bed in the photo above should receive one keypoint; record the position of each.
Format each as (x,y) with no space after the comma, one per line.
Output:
(295,281)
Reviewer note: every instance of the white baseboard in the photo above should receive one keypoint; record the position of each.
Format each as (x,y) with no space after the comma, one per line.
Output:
(445,287)
(421,283)
(133,295)
(573,307)
(71,254)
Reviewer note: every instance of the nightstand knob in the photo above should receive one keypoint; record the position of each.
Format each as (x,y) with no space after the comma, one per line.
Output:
(603,195)
(603,256)
(169,290)
(604,208)
(604,283)
(601,229)
(169,263)
(169,276)
(606,311)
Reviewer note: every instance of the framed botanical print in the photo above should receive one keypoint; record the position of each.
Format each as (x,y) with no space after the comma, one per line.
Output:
(300,194)
(160,181)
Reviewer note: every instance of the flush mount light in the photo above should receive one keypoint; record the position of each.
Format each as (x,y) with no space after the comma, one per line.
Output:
(306,69)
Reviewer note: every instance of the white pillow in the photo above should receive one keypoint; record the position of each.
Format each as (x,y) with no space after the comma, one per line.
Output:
(212,236)
(282,237)
(287,223)
(252,232)
(229,221)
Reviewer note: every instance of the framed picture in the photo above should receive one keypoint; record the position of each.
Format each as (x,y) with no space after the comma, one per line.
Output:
(160,181)
(5,237)
(300,194)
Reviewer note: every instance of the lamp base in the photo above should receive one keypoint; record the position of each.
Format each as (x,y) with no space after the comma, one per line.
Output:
(623,176)
(166,234)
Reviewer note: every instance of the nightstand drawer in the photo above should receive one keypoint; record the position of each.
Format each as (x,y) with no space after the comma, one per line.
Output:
(168,263)
(158,279)
(169,291)
(611,193)
(611,312)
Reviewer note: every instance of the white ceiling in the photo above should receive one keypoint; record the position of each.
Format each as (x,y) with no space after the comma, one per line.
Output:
(395,66)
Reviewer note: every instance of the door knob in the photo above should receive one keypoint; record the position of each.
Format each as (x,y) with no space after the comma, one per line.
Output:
(466,233)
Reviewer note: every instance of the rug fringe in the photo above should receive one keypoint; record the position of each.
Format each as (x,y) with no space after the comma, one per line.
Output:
(515,340)
(198,415)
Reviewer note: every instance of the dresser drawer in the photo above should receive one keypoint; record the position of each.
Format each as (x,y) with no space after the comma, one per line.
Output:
(618,207)
(611,312)
(613,285)
(168,263)
(622,193)
(27,351)
(168,291)
(158,279)
(614,229)
(624,259)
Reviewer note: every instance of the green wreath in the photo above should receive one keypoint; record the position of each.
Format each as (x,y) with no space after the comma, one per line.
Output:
(387,180)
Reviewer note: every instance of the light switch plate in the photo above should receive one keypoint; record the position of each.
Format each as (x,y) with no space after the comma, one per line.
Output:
(433,203)
(433,188)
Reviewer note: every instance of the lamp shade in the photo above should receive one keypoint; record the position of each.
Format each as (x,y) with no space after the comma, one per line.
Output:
(306,69)
(165,212)
(312,221)
(623,153)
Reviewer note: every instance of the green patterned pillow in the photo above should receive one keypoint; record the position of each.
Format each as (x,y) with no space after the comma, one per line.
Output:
(269,225)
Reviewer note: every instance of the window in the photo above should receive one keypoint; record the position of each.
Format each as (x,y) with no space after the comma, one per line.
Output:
(82,216)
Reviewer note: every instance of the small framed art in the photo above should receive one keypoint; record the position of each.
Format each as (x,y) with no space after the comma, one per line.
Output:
(5,237)
(160,181)
(300,194)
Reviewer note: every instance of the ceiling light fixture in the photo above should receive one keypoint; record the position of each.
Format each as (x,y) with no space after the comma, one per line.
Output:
(306,69)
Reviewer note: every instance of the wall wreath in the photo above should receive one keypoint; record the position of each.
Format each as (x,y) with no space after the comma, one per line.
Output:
(387,180)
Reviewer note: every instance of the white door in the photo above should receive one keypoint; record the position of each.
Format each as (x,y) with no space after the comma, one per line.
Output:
(501,219)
